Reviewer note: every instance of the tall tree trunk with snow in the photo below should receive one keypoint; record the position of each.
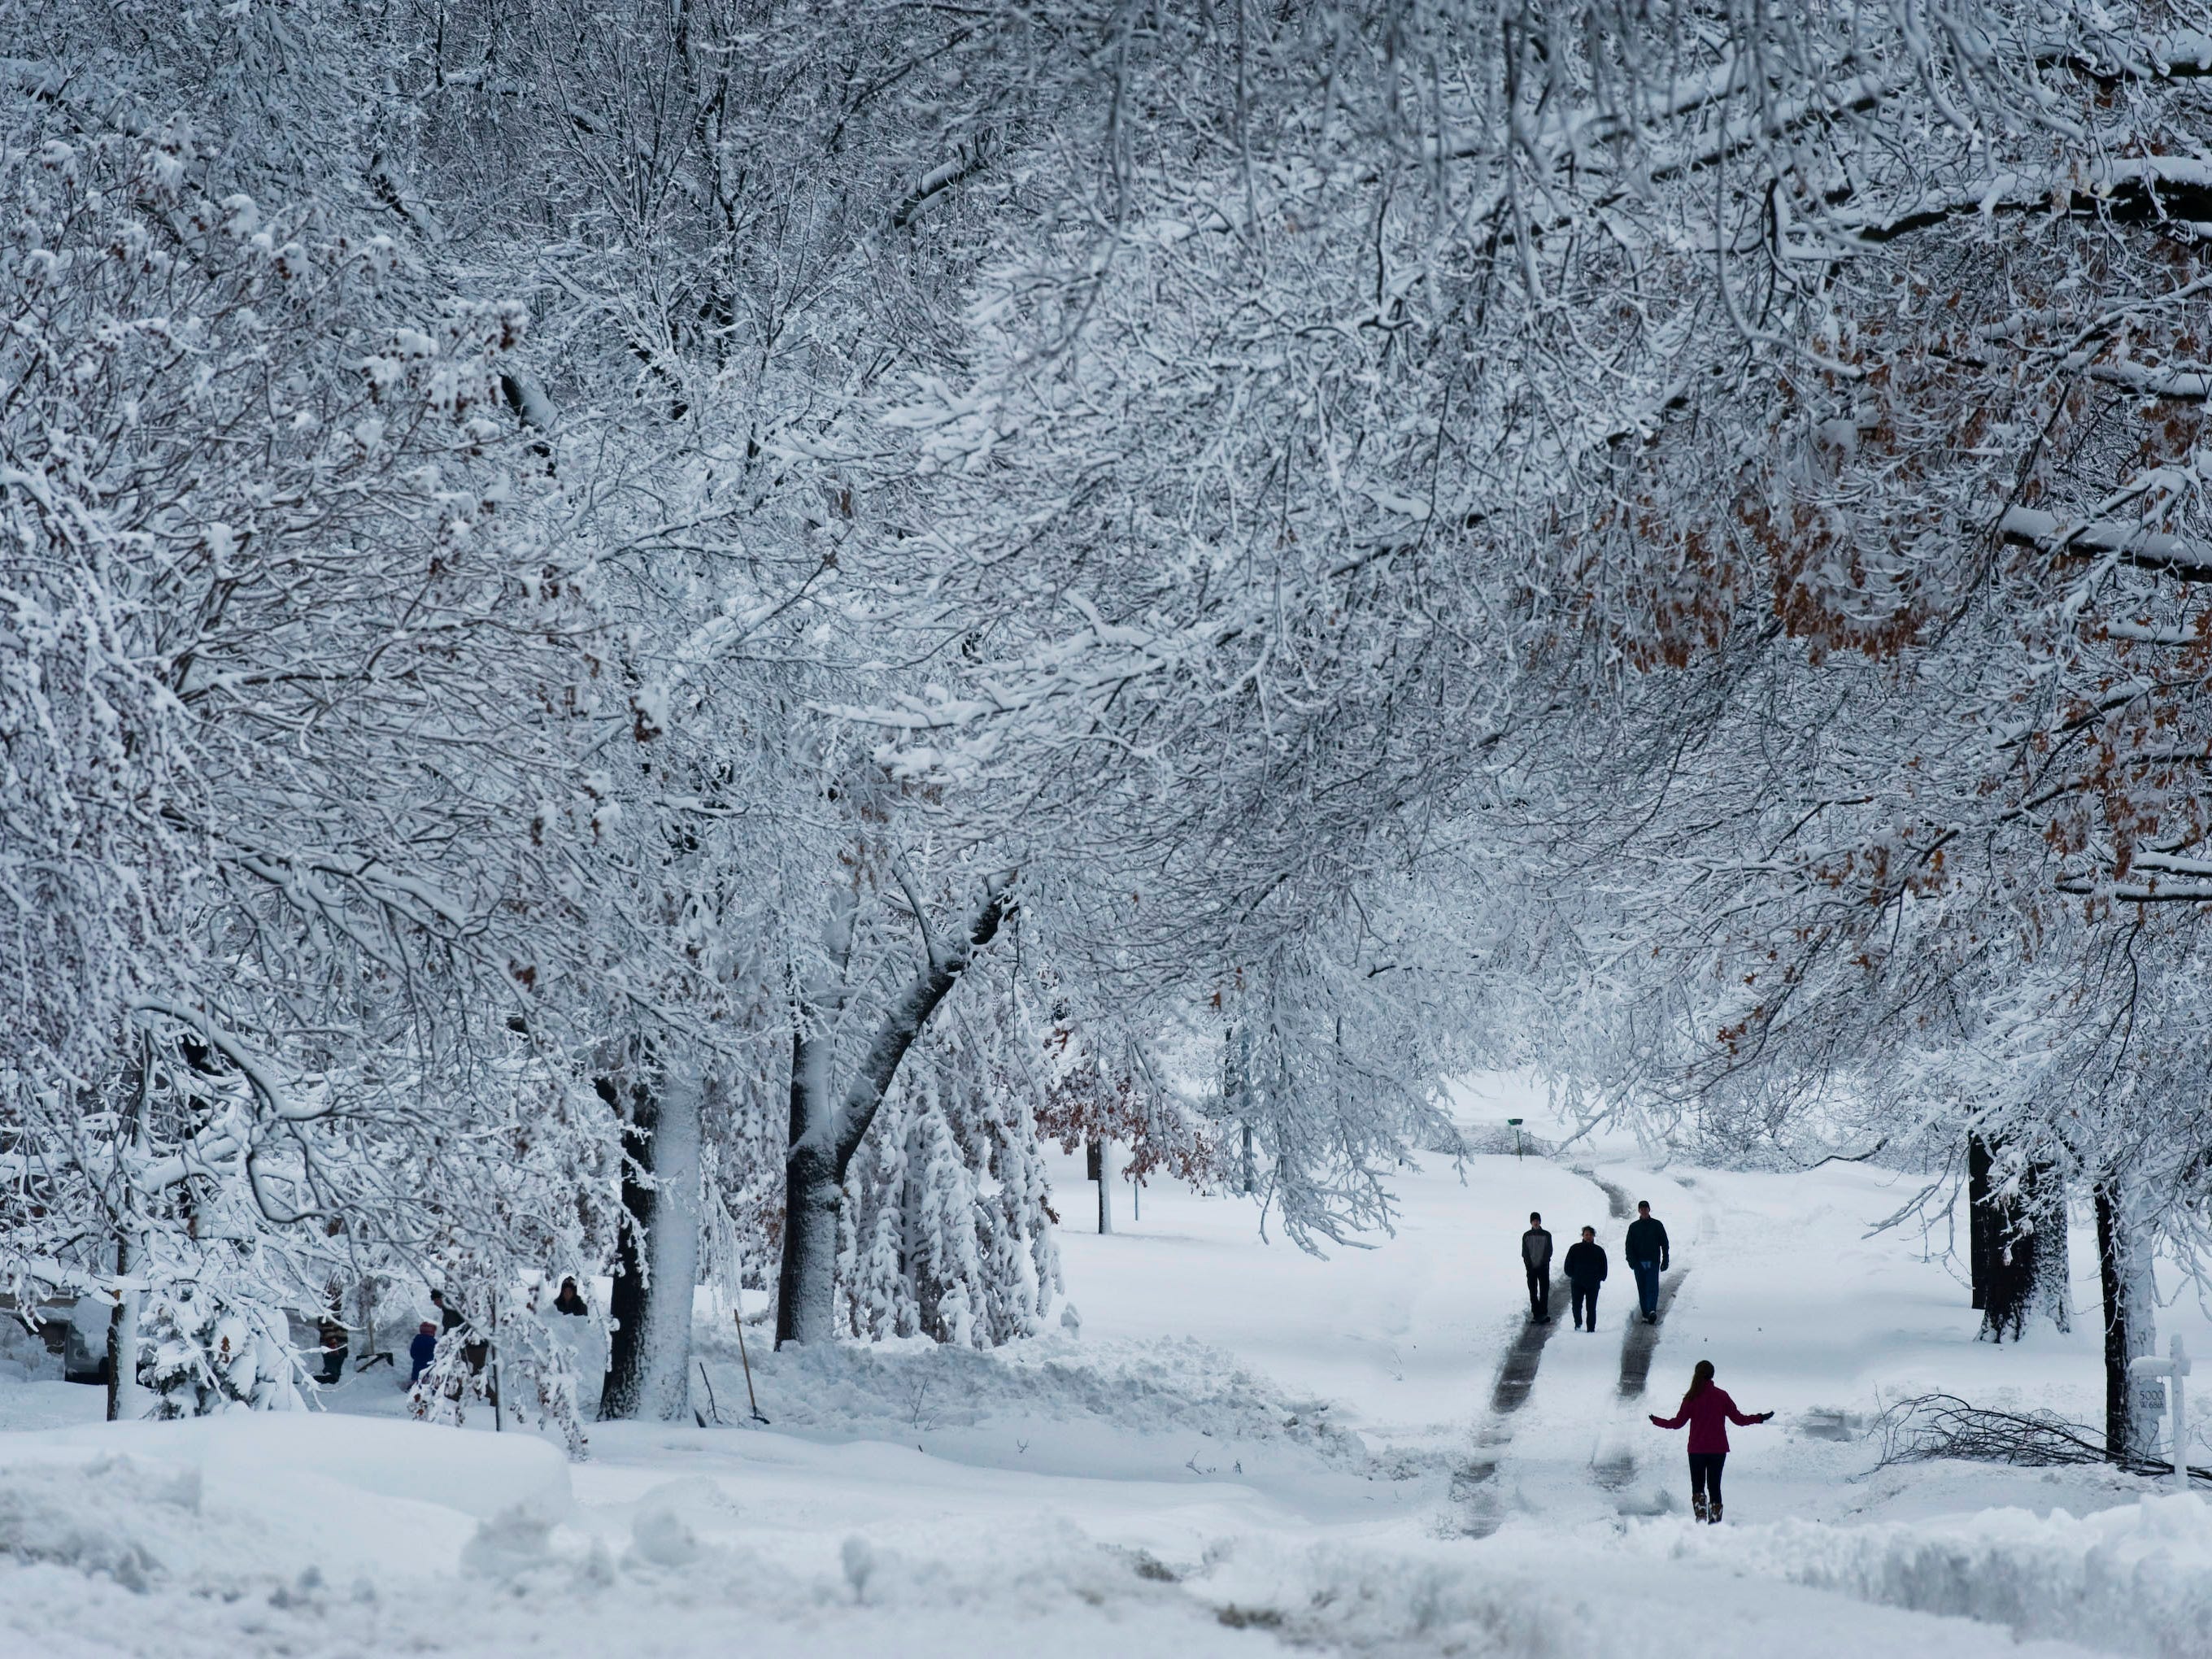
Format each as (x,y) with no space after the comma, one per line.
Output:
(126,1401)
(806,1283)
(828,1125)
(2052,1293)
(2132,1408)
(649,1359)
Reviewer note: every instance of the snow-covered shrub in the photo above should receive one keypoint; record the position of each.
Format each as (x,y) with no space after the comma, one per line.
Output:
(947,1225)
(198,1355)
(450,1384)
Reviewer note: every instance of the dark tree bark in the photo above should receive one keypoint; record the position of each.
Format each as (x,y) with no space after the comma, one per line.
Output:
(1981,1221)
(618,1396)
(2130,1415)
(2116,1325)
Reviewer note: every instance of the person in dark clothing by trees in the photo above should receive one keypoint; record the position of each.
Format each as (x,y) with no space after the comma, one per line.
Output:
(452,1314)
(1647,1257)
(1536,1260)
(422,1350)
(571,1300)
(333,1335)
(1708,1410)
(1585,1272)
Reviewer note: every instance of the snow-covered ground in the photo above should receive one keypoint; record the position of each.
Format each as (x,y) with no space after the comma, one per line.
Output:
(1243,1447)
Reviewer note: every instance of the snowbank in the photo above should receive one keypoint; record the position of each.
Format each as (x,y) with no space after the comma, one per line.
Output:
(2135,1579)
(890,1390)
(247,1500)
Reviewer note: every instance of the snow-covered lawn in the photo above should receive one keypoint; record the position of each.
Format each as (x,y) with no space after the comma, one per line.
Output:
(1243,1447)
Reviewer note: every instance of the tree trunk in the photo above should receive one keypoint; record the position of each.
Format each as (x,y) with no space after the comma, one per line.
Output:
(806,1291)
(2052,1291)
(1106,1173)
(126,1401)
(1981,1220)
(650,1358)
(2131,1408)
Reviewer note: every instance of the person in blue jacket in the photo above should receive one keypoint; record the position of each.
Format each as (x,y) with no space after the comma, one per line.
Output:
(422,1350)
(1586,1267)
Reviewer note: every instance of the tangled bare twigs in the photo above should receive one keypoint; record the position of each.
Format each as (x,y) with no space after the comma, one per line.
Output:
(1933,1425)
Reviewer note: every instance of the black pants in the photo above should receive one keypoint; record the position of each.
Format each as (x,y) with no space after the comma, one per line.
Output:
(1586,1305)
(1539,1294)
(1706,1474)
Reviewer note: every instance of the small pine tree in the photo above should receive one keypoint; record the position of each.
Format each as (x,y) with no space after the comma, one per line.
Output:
(947,1230)
(197,1356)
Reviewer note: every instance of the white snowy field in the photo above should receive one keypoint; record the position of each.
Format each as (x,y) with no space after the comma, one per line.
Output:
(1243,1448)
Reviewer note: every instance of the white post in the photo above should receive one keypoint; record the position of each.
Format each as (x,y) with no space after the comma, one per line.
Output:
(1105,1185)
(2173,1368)
(2180,1364)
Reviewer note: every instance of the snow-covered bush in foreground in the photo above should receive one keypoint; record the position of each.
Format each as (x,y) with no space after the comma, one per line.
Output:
(2136,1579)
(890,1386)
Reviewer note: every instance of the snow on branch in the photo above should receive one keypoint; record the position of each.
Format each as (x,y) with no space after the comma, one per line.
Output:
(2132,545)
(902,1022)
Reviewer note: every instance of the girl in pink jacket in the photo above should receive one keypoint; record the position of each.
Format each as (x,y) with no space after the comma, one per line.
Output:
(1708,1410)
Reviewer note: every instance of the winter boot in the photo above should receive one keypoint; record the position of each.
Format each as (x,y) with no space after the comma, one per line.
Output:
(1713,1514)
(1698,1505)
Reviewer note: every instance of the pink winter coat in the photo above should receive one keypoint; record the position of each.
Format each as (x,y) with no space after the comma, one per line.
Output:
(1709,1416)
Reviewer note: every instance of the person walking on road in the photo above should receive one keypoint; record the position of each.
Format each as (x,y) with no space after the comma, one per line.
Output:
(1536,1260)
(1708,1410)
(1647,1257)
(1585,1272)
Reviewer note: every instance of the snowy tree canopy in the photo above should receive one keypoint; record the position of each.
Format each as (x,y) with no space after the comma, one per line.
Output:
(625,628)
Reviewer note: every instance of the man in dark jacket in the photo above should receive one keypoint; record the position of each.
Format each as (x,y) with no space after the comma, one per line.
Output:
(1585,1272)
(1536,1262)
(450,1314)
(1647,1257)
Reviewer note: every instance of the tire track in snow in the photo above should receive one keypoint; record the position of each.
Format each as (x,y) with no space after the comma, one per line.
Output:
(1643,1340)
(1616,1473)
(1472,1484)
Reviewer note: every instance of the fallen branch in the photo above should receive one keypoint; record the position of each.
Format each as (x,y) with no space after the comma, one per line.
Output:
(1929,1426)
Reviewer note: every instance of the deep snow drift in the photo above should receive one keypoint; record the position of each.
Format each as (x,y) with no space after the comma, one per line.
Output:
(1242,1447)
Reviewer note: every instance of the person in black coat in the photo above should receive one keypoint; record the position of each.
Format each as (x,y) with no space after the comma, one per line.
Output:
(1536,1262)
(422,1350)
(451,1315)
(1585,1272)
(1647,1257)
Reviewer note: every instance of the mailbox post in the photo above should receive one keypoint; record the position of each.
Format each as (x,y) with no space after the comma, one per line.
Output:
(2173,1369)
(1515,1123)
